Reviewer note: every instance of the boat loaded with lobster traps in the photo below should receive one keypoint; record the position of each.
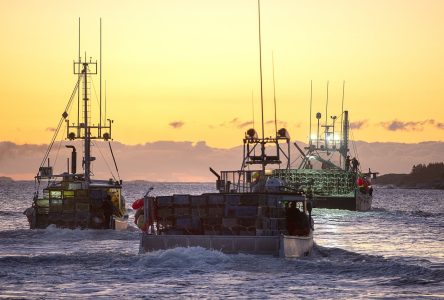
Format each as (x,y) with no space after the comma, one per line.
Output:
(73,199)
(253,212)
(327,172)
(255,223)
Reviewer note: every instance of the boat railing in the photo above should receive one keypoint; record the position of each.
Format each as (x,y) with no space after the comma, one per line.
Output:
(240,181)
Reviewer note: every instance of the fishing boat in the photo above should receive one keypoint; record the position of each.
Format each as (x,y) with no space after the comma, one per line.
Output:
(73,199)
(328,173)
(253,212)
(272,223)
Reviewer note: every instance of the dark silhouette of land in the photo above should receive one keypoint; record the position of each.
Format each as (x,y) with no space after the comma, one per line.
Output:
(422,176)
(4,178)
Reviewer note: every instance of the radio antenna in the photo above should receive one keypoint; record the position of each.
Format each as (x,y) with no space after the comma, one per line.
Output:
(342,108)
(342,120)
(311,104)
(100,118)
(262,94)
(326,106)
(78,91)
(260,66)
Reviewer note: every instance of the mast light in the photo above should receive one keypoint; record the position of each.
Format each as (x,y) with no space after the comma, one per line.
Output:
(251,134)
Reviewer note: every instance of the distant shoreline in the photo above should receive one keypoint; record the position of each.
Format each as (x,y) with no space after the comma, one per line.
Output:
(421,177)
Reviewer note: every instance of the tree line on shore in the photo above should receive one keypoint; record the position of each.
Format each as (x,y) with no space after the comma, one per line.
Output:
(421,176)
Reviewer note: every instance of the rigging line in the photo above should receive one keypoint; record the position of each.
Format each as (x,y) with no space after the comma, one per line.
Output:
(60,142)
(58,150)
(115,164)
(274,95)
(60,123)
(103,157)
(354,144)
(252,105)
(95,91)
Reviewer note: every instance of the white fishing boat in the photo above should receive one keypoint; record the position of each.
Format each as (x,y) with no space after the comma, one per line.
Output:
(269,223)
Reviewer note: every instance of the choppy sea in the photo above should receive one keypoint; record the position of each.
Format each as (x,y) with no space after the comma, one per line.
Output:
(394,251)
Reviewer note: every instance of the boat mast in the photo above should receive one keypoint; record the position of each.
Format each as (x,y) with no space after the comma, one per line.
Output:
(342,120)
(274,96)
(344,148)
(100,100)
(87,132)
(78,93)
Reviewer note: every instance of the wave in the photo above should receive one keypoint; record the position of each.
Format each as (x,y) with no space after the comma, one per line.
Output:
(415,213)
(393,271)
(184,258)
(52,233)
(10,213)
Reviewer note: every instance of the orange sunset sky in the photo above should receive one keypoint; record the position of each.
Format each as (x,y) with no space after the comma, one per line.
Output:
(188,70)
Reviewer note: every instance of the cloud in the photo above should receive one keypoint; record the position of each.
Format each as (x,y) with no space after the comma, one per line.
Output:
(440,125)
(358,124)
(176,124)
(279,123)
(51,129)
(163,160)
(396,125)
(245,124)
(236,122)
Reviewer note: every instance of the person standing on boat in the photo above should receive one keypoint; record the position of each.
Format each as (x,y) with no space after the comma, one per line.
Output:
(297,221)
(291,214)
(29,213)
(108,209)
(347,163)
(355,164)
(258,184)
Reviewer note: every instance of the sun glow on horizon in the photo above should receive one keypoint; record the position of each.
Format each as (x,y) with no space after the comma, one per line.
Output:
(187,71)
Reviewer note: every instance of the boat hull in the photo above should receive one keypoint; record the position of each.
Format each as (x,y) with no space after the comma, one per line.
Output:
(283,245)
(360,202)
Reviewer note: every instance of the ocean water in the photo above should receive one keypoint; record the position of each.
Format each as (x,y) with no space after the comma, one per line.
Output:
(394,251)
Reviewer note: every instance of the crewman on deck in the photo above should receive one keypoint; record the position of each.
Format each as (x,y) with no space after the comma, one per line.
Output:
(29,213)
(258,184)
(108,209)
(355,164)
(347,163)
(139,216)
(297,221)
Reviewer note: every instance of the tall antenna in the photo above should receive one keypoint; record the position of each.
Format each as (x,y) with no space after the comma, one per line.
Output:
(342,108)
(100,58)
(78,91)
(262,94)
(260,66)
(342,120)
(105,99)
(274,95)
(311,104)
(326,106)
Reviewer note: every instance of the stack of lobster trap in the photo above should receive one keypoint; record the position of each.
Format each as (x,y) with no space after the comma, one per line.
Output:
(220,214)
